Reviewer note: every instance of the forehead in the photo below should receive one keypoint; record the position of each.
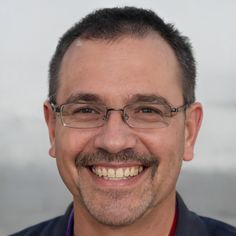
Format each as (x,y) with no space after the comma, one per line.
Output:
(120,68)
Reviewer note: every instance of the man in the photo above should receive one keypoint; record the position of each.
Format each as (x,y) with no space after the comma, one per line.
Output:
(122,117)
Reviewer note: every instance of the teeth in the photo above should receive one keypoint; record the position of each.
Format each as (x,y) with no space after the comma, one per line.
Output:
(117,174)
(126,172)
(100,172)
(111,173)
(135,171)
(104,171)
(132,171)
(140,169)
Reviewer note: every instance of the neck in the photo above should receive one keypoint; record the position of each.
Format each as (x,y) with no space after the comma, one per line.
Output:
(156,222)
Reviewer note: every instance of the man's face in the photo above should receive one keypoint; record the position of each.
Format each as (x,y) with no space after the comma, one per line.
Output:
(115,73)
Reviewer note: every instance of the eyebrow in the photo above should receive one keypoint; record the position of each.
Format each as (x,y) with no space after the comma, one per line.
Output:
(148,98)
(90,97)
(83,97)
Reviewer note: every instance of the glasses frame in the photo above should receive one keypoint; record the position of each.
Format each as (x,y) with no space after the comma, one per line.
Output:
(59,108)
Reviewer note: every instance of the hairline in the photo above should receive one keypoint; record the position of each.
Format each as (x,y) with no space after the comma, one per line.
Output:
(114,39)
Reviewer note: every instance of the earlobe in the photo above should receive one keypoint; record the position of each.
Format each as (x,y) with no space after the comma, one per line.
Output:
(51,150)
(193,122)
(51,123)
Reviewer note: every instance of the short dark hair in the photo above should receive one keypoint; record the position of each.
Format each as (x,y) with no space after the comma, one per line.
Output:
(112,23)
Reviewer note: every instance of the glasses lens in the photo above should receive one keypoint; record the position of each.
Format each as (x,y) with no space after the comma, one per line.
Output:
(148,115)
(83,115)
(139,115)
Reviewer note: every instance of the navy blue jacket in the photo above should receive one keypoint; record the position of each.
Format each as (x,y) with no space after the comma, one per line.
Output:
(189,224)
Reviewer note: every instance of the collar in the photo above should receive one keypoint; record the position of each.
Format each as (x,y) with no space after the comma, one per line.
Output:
(174,224)
(189,223)
(70,224)
(185,222)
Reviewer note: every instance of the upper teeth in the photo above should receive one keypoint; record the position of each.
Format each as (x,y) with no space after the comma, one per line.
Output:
(117,173)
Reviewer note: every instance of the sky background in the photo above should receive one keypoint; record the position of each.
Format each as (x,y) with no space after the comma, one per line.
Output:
(29,33)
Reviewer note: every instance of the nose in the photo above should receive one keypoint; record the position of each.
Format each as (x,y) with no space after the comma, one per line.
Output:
(115,136)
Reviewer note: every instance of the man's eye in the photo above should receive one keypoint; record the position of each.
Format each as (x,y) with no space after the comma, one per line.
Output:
(147,110)
(150,110)
(85,110)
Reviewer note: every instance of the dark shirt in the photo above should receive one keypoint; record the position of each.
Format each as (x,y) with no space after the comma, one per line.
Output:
(174,224)
(70,225)
(188,224)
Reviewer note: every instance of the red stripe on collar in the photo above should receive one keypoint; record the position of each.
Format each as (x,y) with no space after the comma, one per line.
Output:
(174,224)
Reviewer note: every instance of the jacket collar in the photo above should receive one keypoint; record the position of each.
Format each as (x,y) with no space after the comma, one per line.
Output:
(188,222)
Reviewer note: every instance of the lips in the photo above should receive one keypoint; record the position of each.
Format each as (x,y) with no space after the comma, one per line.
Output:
(120,173)
(106,168)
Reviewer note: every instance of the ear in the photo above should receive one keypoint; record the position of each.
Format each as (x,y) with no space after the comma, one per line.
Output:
(193,122)
(50,119)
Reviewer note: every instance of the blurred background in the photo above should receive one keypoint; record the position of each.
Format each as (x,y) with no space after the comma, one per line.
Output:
(31,189)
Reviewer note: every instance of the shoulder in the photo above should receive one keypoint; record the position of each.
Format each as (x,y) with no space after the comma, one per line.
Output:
(42,229)
(218,228)
(190,223)
(53,227)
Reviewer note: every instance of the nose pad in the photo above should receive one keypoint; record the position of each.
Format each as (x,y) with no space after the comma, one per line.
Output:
(125,117)
(115,136)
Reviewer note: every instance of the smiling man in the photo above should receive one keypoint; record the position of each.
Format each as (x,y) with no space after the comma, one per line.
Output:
(122,118)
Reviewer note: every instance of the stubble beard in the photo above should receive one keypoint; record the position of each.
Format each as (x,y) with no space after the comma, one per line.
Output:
(117,208)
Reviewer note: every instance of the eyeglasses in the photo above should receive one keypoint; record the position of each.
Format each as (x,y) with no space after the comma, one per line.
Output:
(84,115)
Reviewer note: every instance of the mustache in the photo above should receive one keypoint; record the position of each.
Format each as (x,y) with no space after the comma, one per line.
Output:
(87,159)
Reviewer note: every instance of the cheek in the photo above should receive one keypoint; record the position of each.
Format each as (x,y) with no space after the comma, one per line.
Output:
(164,144)
(68,144)
(167,145)
(172,155)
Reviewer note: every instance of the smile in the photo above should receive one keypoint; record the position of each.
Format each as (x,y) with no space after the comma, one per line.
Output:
(117,173)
